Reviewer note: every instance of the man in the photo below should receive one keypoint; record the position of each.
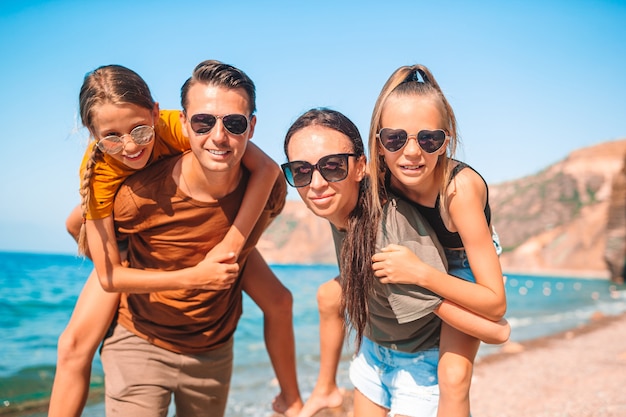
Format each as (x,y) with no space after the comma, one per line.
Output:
(172,213)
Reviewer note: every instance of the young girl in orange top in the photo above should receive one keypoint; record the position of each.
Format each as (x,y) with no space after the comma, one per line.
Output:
(129,133)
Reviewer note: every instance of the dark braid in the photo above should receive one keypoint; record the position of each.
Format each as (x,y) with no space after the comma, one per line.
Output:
(85,197)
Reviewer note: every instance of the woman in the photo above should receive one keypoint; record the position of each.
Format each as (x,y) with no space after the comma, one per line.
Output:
(328,167)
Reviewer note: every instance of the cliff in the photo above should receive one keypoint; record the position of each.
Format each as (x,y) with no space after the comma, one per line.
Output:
(558,219)
(568,218)
(615,250)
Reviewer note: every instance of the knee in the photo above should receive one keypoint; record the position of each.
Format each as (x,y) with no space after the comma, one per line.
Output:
(503,334)
(282,303)
(329,299)
(455,375)
(71,349)
(285,301)
(74,222)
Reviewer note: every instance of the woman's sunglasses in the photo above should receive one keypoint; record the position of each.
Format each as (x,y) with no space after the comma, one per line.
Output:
(332,168)
(237,124)
(112,144)
(429,140)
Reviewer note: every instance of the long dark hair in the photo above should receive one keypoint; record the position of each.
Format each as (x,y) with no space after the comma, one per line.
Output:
(357,250)
(360,240)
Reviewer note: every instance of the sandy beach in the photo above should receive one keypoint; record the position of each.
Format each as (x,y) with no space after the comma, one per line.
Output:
(577,373)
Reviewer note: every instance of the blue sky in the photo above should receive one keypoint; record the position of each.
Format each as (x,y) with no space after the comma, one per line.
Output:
(530,81)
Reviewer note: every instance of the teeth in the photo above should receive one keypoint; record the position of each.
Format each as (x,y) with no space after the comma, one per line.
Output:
(135,155)
(216,152)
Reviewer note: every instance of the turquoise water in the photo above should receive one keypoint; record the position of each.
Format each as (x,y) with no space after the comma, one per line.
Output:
(39,292)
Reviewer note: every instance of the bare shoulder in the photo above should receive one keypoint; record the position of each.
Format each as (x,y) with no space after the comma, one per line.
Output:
(467,182)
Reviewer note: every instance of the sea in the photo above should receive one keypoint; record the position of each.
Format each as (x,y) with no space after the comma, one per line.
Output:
(39,292)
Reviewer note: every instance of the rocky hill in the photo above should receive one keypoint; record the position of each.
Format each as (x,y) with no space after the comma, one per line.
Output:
(558,219)
(568,218)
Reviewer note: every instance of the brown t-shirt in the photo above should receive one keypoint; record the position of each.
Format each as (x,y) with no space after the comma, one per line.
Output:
(168,230)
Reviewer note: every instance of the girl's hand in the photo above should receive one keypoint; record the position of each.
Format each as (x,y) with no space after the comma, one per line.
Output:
(397,264)
(225,249)
(216,272)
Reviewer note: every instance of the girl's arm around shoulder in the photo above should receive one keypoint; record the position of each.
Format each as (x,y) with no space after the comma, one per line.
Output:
(396,264)
(213,273)
(466,211)
(169,129)
(467,198)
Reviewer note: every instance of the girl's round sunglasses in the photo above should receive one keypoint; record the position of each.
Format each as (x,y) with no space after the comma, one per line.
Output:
(429,140)
(201,123)
(112,144)
(332,168)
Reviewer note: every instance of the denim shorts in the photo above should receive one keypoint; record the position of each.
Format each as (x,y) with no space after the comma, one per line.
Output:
(458,264)
(404,383)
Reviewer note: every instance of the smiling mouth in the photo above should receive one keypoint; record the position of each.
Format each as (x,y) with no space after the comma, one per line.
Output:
(135,155)
(411,167)
(319,198)
(216,152)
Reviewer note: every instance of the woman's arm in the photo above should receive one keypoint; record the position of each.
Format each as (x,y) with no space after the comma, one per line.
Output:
(263,174)
(214,273)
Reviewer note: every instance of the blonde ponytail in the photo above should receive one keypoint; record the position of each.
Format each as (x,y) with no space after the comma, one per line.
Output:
(414,80)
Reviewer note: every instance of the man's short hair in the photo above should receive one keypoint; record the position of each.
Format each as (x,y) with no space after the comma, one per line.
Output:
(216,73)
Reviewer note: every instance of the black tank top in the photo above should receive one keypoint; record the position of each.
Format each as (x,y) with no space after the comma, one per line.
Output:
(448,239)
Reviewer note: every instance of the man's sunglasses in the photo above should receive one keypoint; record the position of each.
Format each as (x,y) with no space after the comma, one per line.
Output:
(332,168)
(112,144)
(237,124)
(429,140)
